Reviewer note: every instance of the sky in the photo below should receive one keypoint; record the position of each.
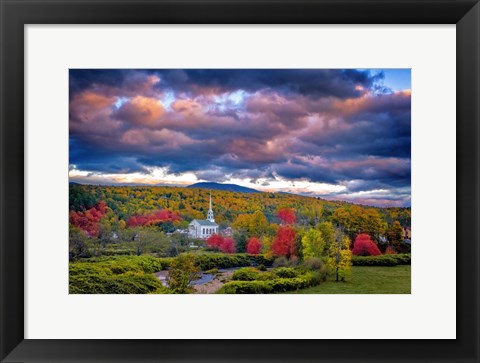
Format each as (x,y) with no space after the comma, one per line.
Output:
(338,134)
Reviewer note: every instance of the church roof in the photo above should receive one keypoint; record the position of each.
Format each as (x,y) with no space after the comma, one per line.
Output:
(205,222)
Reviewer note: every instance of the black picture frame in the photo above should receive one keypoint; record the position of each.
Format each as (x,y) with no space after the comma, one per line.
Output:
(15,14)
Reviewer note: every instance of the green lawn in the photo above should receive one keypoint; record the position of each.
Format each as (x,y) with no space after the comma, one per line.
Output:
(367,280)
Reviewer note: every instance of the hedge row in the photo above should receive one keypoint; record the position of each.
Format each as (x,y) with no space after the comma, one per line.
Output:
(115,275)
(100,281)
(121,264)
(208,261)
(382,260)
(276,285)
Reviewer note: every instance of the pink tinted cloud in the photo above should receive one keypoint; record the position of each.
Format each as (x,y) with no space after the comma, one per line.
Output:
(141,110)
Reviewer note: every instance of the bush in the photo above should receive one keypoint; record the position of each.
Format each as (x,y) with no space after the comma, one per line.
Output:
(147,264)
(208,261)
(364,246)
(281,262)
(277,285)
(286,272)
(383,260)
(115,275)
(246,274)
(212,271)
(97,280)
(246,287)
(119,252)
(312,264)
(262,267)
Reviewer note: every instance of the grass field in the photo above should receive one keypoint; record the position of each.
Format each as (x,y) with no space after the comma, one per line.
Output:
(367,280)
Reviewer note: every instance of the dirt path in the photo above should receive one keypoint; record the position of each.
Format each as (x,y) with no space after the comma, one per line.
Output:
(213,286)
(210,287)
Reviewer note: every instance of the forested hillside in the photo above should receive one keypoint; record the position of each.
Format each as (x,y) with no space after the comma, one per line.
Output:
(190,203)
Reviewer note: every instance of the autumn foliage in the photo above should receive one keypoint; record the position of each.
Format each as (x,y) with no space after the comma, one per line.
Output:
(88,221)
(254,246)
(226,245)
(364,246)
(284,242)
(390,251)
(160,216)
(287,216)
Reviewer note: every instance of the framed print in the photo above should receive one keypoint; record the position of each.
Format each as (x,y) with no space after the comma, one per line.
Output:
(239,181)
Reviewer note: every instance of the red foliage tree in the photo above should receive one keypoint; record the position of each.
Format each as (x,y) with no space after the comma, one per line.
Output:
(215,241)
(364,246)
(159,216)
(227,246)
(88,221)
(287,216)
(254,246)
(284,242)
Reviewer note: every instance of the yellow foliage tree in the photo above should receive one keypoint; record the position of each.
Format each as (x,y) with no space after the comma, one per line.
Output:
(340,257)
(313,243)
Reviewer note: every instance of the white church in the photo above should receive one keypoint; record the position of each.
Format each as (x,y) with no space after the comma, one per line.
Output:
(203,228)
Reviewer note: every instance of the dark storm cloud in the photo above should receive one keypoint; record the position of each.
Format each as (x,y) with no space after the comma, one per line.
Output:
(309,82)
(341,127)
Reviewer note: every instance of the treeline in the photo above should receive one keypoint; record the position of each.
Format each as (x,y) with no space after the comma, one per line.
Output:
(189,203)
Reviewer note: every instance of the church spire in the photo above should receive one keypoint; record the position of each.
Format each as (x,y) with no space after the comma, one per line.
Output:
(210,211)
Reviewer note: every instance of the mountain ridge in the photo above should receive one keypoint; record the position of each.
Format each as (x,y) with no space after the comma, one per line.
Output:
(225,187)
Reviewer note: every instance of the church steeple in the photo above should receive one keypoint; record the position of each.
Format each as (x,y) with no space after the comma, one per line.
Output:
(210,211)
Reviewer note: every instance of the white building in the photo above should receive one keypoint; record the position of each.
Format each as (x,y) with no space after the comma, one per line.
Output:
(203,228)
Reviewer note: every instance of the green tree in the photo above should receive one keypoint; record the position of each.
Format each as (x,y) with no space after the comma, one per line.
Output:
(240,238)
(328,233)
(183,270)
(77,243)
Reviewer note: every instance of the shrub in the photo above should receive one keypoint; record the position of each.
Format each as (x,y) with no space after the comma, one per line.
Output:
(212,271)
(312,264)
(208,261)
(383,260)
(286,272)
(246,287)
(122,264)
(246,274)
(277,285)
(262,267)
(118,252)
(364,246)
(93,278)
(281,262)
